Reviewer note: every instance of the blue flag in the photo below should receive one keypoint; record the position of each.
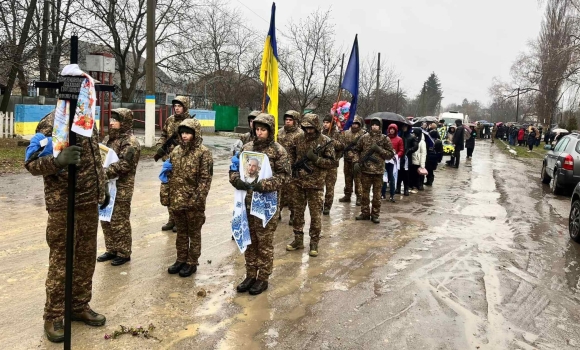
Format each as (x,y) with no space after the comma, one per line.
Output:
(350,82)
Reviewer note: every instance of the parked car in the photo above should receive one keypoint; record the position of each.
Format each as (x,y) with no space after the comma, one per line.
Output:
(561,165)
(574,218)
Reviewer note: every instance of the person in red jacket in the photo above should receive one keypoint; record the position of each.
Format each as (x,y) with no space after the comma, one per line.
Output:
(521,134)
(399,149)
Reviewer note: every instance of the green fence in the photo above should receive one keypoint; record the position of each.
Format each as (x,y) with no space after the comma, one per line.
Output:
(226,117)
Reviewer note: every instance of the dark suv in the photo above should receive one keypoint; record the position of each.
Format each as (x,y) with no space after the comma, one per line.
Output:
(574,218)
(561,165)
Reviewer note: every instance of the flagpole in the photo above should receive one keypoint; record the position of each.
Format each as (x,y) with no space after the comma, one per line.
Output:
(265,91)
(338,97)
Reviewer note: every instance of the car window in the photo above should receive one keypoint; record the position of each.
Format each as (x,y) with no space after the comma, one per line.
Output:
(577,147)
(562,144)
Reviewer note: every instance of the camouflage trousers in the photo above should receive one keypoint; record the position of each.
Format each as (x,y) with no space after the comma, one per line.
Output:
(348,180)
(329,182)
(118,232)
(376,182)
(85,255)
(171,218)
(188,239)
(260,254)
(287,195)
(314,199)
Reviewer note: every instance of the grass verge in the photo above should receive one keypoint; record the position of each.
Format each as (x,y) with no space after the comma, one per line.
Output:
(522,152)
(11,156)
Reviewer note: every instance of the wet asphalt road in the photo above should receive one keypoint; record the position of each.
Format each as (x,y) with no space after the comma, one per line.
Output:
(482,260)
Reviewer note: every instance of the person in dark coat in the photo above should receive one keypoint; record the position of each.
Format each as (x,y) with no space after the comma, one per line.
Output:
(434,157)
(458,142)
(470,144)
(410,145)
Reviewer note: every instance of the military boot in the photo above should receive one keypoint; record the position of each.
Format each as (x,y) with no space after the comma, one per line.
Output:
(246,284)
(363,217)
(357,202)
(326,211)
(298,243)
(313,249)
(89,317)
(168,226)
(54,331)
(375,219)
(258,287)
(345,199)
(175,268)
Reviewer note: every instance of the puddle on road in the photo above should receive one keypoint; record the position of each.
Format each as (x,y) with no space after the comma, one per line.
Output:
(304,280)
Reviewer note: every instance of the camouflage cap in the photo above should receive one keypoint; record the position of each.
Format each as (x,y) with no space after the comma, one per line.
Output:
(181,100)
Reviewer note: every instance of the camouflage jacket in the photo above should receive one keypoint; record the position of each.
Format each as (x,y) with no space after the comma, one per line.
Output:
(286,138)
(326,159)
(247,137)
(277,156)
(348,138)
(91,180)
(128,149)
(170,128)
(338,145)
(190,179)
(363,147)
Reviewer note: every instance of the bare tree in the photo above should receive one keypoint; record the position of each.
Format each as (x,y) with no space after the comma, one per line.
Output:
(309,61)
(120,27)
(368,86)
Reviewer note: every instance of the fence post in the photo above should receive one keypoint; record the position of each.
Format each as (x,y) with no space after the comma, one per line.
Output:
(11,117)
(1,125)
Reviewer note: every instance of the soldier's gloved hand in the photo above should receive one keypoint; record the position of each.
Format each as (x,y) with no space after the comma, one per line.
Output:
(258,187)
(239,184)
(107,197)
(376,148)
(311,155)
(356,169)
(69,155)
(159,154)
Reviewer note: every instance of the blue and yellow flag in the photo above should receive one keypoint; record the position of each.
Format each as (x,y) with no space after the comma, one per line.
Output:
(269,72)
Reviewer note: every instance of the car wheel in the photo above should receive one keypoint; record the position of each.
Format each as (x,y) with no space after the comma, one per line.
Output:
(554,186)
(574,221)
(544,175)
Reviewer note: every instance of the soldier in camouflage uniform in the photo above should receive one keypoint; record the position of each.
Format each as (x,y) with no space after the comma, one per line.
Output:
(189,185)
(379,147)
(349,139)
(286,137)
(90,191)
(181,113)
(260,254)
(250,136)
(121,140)
(310,187)
(331,174)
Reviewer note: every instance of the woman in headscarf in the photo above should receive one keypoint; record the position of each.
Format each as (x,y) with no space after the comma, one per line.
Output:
(419,159)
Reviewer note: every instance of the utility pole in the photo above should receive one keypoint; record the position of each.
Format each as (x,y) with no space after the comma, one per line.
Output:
(518,105)
(378,77)
(397,99)
(150,76)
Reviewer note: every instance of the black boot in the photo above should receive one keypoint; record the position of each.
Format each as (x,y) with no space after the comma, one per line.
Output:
(118,261)
(245,285)
(258,287)
(168,226)
(106,256)
(187,270)
(175,268)
(406,193)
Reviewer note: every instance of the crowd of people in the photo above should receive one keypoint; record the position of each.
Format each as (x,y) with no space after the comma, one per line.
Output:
(302,170)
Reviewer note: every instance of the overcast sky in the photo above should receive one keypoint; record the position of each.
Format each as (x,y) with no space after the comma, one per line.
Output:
(465,42)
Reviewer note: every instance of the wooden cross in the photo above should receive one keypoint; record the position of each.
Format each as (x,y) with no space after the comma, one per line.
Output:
(68,89)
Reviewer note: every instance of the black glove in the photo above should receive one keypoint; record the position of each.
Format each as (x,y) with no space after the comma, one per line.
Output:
(239,184)
(107,197)
(376,148)
(159,154)
(311,155)
(258,187)
(69,155)
(356,169)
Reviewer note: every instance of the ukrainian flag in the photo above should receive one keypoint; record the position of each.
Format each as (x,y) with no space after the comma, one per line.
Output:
(269,72)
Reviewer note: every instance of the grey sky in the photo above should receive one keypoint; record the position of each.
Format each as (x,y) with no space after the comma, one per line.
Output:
(465,42)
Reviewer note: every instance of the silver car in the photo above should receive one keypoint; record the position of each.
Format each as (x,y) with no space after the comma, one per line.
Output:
(561,165)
